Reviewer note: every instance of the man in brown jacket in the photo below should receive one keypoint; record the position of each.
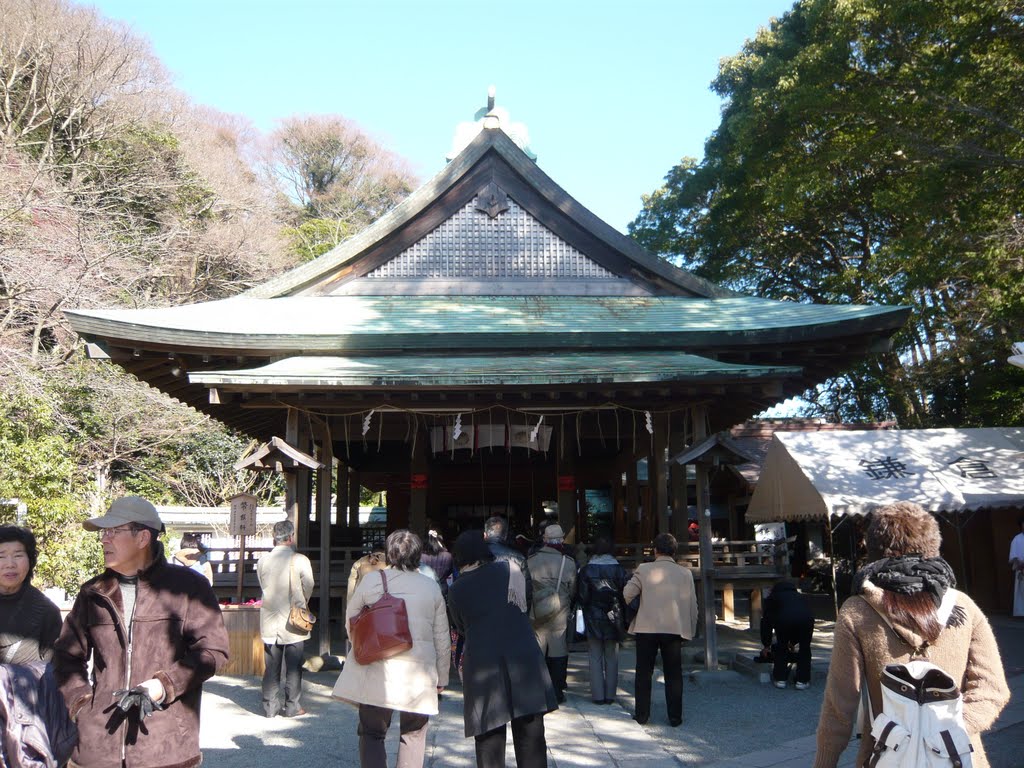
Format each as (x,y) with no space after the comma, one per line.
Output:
(154,633)
(667,616)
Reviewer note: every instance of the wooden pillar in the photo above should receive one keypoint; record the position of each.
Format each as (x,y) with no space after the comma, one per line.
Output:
(633,501)
(707,565)
(341,494)
(567,498)
(756,608)
(419,487)
(351,512)
(324,476)
(304,483)
(291,436)
(620,529)
(677,484)
(728,602)
(354,487)
(657,473)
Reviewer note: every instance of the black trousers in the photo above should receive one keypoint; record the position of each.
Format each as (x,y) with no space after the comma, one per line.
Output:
(800,636)
(373,729)
(287,659)
(671,647)
(527,739)
(558,668)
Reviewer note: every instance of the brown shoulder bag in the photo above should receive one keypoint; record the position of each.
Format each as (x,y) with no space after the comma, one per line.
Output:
(381,630)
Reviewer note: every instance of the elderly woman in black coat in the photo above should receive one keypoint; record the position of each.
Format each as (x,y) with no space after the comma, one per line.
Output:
(504,677)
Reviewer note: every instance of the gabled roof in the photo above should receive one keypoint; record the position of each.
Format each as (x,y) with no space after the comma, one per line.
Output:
(491,161)
(313,372)
(326,324)
(518,293)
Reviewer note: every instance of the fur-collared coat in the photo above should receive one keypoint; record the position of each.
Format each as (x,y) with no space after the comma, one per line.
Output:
(866,640)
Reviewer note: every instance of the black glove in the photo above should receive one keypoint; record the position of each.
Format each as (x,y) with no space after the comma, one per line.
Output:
(135,697)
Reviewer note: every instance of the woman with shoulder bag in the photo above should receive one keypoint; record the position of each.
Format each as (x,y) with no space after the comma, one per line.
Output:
(410,681)
(599,587)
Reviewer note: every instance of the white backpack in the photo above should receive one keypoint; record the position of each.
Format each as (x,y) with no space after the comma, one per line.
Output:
(921,724)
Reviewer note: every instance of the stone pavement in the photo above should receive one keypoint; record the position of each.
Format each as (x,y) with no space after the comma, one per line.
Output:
(731,718)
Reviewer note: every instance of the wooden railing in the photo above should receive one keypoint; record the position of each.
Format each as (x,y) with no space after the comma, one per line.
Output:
(225,565)
(745,566)
(733,558)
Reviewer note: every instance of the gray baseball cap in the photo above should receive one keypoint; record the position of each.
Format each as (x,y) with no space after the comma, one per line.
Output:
(127,509)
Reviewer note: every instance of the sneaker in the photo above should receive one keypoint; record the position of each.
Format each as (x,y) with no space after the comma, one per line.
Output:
(780,683)
(802,686)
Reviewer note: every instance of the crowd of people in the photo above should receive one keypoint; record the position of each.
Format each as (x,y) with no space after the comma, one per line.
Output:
(118,683)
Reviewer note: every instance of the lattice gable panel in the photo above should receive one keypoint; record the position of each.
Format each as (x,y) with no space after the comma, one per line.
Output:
(476,246)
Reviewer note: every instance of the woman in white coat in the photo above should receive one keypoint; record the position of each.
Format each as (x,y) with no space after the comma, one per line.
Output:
(410,681)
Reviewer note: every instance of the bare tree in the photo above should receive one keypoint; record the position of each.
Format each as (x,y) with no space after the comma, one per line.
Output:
(68,77)
(326,167)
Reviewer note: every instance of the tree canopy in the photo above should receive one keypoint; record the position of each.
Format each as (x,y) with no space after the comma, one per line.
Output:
(333,180)
(871,151)
(116,190)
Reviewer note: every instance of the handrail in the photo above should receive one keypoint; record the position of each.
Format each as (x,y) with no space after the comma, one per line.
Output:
(739,557)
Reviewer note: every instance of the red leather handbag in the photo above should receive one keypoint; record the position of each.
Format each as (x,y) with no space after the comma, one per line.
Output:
(381,630)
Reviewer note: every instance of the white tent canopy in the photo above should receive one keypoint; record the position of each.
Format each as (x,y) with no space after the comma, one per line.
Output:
(811,475)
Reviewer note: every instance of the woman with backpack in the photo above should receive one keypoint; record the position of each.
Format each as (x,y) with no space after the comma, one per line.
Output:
(599,591)
(904,608)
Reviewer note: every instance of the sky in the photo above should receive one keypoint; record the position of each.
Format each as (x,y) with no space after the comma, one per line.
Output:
(613,94)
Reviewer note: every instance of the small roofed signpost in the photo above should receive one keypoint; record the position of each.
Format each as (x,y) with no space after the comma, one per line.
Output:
(242,523)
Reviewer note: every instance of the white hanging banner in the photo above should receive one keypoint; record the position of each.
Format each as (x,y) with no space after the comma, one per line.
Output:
(480,436)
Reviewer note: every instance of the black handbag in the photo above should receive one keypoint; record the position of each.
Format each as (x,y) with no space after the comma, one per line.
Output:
(617,617)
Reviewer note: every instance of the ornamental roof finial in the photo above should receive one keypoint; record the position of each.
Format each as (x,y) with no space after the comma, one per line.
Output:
(490,118)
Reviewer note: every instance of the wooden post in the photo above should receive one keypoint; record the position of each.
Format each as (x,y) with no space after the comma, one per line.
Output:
(657,474)
(728,602)
(341,491)
(419,487)
(354,486)
(303,483)
(242,522)
(291,436)
(240,569)
(567,497)
(323,502)
(756,609)
(677,486)
(632,501)
(707,564)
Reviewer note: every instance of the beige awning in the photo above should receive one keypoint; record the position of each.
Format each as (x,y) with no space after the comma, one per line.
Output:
(811,475)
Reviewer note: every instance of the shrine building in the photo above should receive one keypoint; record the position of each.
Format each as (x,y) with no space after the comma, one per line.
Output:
(488,346)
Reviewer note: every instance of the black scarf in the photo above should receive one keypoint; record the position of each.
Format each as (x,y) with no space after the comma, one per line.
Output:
(908,575)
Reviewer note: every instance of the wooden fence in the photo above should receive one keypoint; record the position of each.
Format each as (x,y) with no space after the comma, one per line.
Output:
(745,566)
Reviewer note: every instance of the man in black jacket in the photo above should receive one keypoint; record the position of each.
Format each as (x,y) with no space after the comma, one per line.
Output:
(496,535)
(787,612)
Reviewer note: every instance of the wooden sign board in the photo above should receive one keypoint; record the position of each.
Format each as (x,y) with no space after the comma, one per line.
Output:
(243,515)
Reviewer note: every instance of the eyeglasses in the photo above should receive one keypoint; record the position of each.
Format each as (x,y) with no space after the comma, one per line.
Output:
(109,533)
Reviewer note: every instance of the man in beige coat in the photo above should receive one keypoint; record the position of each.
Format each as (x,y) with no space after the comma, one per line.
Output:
(554,583)
(286,579)
(667,616)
